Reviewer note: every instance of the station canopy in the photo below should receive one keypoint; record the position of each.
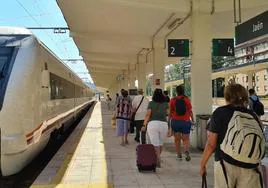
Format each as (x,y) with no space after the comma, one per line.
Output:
(110,33)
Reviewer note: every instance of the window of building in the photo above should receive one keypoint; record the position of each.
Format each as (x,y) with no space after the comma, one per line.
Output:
(265,88)
(257,88)
(265,77)
(257,78)
(247,79)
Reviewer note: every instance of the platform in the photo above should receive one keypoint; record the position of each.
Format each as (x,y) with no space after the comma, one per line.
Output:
(92,157)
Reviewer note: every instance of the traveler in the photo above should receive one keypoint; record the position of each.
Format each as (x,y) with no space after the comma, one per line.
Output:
(108,101)
(255,104)
(156,122)
(116,100)
(236,136)
(139,109)
(181,120)
(123,114)
(166,96)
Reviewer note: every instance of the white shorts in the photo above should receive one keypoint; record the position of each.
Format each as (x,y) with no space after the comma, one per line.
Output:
(157,132)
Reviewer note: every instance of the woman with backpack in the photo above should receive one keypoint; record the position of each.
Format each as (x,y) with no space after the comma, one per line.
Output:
(181,119)
(123,115)
(236,136)
(156,122)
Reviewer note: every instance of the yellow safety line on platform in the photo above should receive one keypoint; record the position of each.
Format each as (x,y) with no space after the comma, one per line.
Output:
(95,185)
(57,179)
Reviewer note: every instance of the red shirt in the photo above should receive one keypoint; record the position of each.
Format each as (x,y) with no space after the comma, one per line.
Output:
(173,113)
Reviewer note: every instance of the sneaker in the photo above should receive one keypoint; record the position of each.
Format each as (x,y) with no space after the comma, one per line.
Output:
(187,157)
(179,157)
(137,140)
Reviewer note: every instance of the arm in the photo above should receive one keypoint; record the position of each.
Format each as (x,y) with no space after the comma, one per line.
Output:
(209,149)
(170,111)
(134,105)
(190,110)
(192,115)
(147,117)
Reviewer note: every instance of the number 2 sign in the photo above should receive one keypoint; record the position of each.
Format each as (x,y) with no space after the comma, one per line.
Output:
(178,48)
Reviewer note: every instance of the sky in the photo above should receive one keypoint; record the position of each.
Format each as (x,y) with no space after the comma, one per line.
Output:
(44,13)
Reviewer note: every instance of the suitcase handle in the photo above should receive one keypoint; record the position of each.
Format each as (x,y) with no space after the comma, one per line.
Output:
(204,181)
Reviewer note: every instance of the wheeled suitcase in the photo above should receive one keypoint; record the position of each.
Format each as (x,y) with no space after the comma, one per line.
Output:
(146,158)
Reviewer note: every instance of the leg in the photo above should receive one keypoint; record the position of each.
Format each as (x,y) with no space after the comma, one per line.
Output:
(126,127)
(120,130)
(232,175)
(186,143)
(157,152)
(250,178)
(138,125)
(153,133)
(162,135)
(177,141)
(122,143)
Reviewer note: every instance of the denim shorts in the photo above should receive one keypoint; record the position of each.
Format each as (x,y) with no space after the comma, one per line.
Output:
(122,127)
(181,126)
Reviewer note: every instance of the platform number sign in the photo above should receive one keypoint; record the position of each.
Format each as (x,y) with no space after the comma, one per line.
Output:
(178,48)
(223,47)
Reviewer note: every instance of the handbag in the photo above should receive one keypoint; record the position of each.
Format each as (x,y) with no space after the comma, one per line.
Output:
(134,113)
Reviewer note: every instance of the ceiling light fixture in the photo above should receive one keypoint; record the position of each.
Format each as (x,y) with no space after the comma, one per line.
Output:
(174,23)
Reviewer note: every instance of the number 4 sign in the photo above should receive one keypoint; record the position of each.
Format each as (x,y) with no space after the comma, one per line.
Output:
(223,47)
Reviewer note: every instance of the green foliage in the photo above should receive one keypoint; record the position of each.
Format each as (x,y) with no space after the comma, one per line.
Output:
(173,72)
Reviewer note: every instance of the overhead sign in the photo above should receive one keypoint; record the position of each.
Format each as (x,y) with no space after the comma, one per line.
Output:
(178,48)
(253,28)
(223,47)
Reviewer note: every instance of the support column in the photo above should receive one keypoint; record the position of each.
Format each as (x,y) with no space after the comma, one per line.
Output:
(158,64)
(250,79)
(170,91)
(132,79)
(141,74)
(201,85)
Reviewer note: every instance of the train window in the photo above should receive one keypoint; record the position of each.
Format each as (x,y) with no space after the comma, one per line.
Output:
(5,56)
(6,64)
(63,89)
(60,88)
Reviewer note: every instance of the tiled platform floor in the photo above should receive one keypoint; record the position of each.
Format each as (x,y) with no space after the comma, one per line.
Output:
(92,157)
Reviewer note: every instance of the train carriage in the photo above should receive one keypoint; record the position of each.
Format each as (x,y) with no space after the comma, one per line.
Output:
(39,96)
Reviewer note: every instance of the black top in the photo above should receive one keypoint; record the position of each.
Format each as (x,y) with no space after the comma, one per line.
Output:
(167,99)
(219,123)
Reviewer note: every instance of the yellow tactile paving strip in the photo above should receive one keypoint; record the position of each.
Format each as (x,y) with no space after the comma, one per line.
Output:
(93,158)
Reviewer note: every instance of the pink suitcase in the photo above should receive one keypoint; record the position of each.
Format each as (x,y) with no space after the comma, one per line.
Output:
(146,158)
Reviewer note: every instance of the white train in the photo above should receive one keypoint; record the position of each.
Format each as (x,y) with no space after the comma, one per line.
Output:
(38,95)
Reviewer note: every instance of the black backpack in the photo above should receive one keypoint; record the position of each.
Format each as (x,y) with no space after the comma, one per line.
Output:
(180,106)
(258,107)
